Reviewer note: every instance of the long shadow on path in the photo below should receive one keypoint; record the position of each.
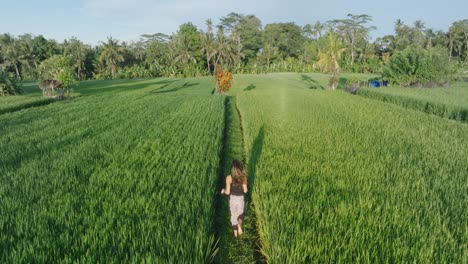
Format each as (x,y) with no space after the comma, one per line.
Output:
(255,154)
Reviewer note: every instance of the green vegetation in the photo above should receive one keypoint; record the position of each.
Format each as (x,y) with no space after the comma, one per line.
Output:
(8,84)
(31,97)
(343,179)
(130,171)
(241,43)
(445,102)
(416,66)
(128,175)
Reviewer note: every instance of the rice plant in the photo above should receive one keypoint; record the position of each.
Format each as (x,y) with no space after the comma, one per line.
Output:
(340,178)
(122,177)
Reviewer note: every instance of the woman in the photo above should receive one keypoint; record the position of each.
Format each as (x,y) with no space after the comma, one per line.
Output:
(236,187)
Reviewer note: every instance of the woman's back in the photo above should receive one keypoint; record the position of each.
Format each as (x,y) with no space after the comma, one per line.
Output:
(237,189)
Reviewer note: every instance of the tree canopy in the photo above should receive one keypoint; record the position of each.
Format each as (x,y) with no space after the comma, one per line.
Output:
(240,43)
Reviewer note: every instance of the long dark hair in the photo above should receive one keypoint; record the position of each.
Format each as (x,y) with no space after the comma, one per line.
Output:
(238,172)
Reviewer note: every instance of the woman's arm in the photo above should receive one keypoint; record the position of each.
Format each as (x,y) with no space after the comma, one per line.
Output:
(227,191)
(244,186)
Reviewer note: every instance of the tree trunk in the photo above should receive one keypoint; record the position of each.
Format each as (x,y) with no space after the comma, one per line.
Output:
(113,71)
(451,49)
(208,63)
(17,71)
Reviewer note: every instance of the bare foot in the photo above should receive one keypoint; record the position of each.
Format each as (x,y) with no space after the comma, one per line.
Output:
(240,229)
(235,233)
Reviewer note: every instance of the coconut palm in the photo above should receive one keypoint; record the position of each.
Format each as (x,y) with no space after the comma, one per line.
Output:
(236,47)
(183,47)
(207,41)
(330,56)
(11,51)
(222,50)
(317,29)
(112,54)
(77,51)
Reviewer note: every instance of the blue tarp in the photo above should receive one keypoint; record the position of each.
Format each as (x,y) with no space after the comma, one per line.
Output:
(375,83)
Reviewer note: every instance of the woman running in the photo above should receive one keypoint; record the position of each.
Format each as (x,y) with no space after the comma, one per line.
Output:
(236,187)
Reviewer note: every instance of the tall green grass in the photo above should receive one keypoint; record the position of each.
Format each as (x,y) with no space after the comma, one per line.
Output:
(449,103)
(31,97)
(127,172)
(124,177)
(342,179)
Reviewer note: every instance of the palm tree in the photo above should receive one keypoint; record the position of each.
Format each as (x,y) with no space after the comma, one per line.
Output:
(222,50)
(330,56)
(236,48)
(112,54)
(11,50)
(207,41)
(318,28)
(139,50)
(183,47)
(77,51)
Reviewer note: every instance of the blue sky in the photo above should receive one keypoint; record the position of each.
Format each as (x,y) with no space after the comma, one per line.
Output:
(94,20)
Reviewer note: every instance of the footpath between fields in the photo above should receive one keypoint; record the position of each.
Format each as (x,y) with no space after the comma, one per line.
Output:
(246,248)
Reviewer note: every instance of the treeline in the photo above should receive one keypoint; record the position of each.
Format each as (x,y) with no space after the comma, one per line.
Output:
(239,43)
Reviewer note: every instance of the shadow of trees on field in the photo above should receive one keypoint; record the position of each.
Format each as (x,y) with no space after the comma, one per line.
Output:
(116,86)
(174,89)
(250,87)
(313,84)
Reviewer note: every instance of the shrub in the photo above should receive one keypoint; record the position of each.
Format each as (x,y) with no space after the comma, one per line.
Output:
(223,81)
(59,67)
(8,84)
(418,67)
(352,85)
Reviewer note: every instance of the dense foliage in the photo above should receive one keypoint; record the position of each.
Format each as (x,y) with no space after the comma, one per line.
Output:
(240,43)
(8,84)
(416,66)
(61,68)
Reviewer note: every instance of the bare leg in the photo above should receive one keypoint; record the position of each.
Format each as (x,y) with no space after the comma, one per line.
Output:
(239,228)
(239,221)
(235,233)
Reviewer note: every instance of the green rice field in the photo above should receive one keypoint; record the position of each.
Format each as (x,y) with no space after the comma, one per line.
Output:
(130,171)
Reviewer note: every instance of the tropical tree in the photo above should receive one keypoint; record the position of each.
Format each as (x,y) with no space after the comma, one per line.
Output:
(208,43)
(247,31)
(8,84)
(353,31)
(457,38)
(317,29)
(286,37)
(112,54)
(77,51)
(61,68)
(222,50)
(11,52)
(330,56)
(183,47)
